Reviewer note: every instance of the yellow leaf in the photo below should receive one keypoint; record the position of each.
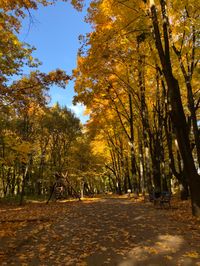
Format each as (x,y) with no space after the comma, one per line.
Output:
(192,254)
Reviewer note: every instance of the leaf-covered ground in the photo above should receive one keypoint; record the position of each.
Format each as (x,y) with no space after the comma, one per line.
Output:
(99,232)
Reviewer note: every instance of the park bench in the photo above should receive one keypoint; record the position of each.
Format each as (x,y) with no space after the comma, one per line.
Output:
(165,199)
(162,199)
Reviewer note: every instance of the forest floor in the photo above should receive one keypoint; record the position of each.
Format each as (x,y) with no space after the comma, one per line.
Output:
(95,232)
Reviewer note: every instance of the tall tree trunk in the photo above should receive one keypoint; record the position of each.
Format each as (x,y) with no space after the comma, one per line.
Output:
(24,177)
(144,115)
(178,117)
(187,74)
(133,161)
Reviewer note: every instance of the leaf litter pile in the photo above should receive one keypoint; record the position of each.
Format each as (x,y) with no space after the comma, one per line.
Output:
(99,232)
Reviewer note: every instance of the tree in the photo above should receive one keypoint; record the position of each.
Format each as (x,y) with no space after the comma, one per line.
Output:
(120,66)
(178,115)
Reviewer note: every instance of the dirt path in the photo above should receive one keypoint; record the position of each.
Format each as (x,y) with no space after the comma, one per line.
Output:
(94,233)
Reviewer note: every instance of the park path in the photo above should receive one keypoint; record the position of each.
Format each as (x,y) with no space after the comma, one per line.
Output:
(99,232)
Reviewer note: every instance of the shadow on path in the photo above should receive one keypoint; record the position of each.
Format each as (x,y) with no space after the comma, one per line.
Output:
(104,232)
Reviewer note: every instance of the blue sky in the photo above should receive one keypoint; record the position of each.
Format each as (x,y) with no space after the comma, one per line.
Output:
(54,33)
